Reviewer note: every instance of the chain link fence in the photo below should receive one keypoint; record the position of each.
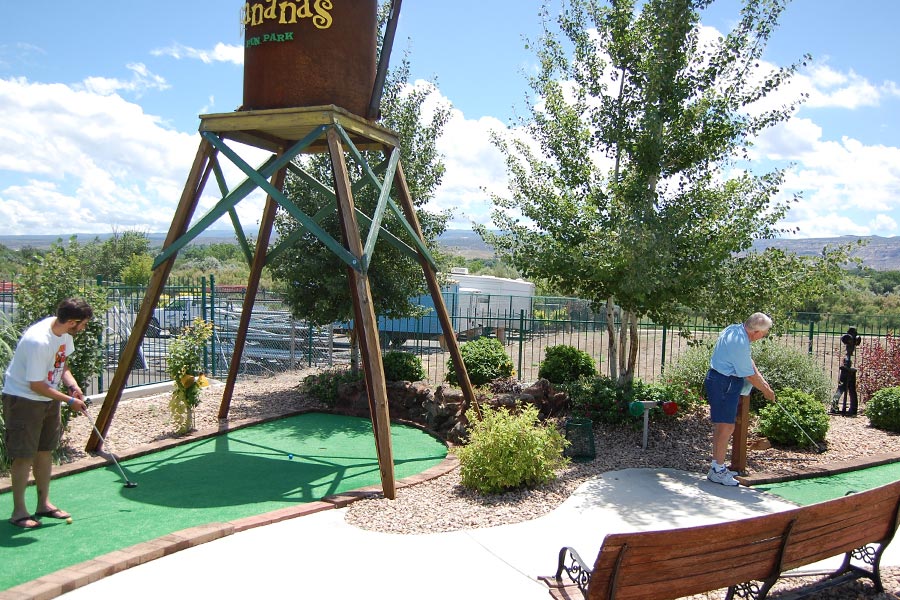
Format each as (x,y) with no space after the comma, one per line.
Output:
(525,325)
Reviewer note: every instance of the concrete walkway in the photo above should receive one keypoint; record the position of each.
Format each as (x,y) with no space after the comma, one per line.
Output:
(320,556)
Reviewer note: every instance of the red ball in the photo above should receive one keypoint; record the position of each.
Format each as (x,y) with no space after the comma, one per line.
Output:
(670,408)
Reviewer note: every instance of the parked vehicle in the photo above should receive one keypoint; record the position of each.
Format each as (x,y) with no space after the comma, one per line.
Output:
(181,312)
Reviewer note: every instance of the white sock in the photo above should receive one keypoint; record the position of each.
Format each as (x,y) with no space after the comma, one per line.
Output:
(717,467)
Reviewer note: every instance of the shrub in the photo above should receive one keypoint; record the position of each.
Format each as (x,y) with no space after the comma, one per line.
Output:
(485,360)
(690,368)
(564,364)
(879,366)
(597,399)
(776,424)
(601,401)
(506,451)
(324,386)
(787,368)
(883,409)
(402,366)
(682,395)
(782,366)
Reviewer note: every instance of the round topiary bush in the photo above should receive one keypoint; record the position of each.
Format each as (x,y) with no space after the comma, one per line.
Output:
(776,424)
(509,450)
(402,366)
(883,409)
(485,360)
(564,364)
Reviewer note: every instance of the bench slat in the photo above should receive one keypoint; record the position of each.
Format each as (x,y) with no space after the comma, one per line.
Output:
(674,563)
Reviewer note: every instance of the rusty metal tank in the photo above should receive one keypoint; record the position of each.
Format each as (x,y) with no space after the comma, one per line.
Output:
(309,53)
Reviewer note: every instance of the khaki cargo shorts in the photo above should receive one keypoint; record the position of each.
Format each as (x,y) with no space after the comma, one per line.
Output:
(31,426)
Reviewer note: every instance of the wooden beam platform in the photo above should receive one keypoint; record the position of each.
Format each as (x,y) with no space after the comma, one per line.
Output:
(275,128)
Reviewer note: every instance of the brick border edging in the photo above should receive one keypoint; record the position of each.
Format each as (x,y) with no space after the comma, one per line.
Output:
(65,580)
(823,470)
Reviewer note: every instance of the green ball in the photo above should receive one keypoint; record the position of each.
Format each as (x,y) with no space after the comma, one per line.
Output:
(636,408)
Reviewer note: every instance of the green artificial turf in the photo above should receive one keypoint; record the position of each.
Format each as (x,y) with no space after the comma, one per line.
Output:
(243,473)
(819,489)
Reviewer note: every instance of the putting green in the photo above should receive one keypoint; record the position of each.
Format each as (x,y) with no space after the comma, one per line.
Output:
(819,489)
(243,473)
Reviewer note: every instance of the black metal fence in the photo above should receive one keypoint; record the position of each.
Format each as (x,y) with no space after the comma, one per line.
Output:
(526,326)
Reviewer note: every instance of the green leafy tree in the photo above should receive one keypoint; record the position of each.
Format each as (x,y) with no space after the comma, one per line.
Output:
(44,283)
(108,258)
(138,270)
(628,199)
(779,283)
(312,278)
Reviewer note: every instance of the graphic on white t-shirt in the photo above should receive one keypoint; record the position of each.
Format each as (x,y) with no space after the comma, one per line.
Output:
(59,364)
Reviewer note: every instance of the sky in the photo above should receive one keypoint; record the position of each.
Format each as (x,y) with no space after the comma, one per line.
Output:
(100,105)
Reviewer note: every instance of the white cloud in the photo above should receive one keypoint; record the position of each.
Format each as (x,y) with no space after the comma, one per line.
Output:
(220,53)
(474,167)
(88,162)
(141,80)
(883,225)
(832,89)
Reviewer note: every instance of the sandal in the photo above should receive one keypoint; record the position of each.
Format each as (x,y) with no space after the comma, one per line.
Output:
(53,514)
(23,522)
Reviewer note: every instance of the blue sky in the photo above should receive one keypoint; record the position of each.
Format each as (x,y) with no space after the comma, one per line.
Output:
(100,105)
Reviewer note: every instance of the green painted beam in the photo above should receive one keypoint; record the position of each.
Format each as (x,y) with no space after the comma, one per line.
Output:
(240,192)
(238,229)
(378,215)
(284,202)
(213,215)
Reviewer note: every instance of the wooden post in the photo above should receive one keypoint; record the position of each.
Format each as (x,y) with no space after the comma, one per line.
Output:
(189,197)
(434,288)
(366,324)
(739,437)
(259,261)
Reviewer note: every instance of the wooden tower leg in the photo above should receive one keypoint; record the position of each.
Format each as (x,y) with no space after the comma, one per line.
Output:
(195,183)
(366,323)
(739,438)
(259,261)
(434,288)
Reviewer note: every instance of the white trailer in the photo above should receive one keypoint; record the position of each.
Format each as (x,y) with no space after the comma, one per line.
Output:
(486,301)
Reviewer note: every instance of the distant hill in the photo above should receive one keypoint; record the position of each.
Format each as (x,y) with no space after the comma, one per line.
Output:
(880,253)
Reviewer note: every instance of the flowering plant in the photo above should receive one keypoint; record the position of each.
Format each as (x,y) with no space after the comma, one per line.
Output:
(185,365)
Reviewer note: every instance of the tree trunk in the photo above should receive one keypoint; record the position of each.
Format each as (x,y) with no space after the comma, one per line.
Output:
(613,341)
(628,348)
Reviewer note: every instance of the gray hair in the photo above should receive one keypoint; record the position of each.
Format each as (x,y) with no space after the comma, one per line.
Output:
(758,322)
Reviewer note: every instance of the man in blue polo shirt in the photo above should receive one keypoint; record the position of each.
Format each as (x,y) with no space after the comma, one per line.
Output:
(732,374)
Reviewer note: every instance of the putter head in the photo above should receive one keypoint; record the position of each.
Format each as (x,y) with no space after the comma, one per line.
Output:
(130,484)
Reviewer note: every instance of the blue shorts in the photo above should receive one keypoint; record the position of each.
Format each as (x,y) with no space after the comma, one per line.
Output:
(723,392)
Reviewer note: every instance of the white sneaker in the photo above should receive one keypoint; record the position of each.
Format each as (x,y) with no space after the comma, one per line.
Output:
(724,477)
(733,473)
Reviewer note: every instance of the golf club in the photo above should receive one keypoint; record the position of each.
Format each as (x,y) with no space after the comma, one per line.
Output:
(819,449)
(128,482)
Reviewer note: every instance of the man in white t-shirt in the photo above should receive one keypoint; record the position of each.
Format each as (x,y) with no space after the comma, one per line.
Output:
(31,405)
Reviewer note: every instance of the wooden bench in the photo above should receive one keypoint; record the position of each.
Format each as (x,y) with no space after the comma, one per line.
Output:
(746,556)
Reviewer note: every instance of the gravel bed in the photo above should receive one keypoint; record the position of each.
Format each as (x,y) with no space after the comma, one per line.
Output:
(442,504)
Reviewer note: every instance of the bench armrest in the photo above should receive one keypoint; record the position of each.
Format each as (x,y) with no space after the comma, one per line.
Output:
(576,569)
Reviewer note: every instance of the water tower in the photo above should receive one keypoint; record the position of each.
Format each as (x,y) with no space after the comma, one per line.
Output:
(311,85)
